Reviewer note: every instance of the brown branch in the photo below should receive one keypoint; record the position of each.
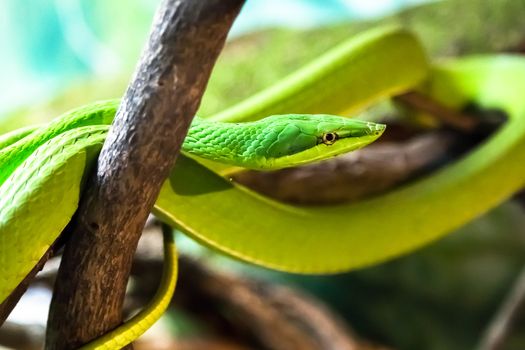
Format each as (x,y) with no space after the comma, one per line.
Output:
(136,158)
(277,317)
(251,312)
(372,170)
(399,156)
(449,117)
(237,309)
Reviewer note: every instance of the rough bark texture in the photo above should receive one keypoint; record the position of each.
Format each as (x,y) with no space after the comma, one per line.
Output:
(139,152)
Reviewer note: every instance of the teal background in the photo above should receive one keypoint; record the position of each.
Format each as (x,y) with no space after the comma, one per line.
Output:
(46,45)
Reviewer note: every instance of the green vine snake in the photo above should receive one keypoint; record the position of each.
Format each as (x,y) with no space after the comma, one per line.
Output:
(43,167)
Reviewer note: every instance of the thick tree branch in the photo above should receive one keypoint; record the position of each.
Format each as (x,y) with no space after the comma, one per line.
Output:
(139,152)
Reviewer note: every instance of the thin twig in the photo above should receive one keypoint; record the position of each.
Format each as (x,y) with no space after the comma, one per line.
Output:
(501,325)
(448,116)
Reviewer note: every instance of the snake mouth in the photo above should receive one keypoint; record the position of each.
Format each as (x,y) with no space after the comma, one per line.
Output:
(377,128)
(362,130)
(354,142)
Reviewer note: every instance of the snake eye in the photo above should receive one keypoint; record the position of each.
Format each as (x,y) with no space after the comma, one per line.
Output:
(329,138)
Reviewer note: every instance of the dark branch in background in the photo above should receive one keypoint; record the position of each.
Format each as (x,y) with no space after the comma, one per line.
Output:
(257,313)
(447,116)
(355,175)
(276,317)
(398,157)
(136,158)
(501,325)
(237,310)
(511,309)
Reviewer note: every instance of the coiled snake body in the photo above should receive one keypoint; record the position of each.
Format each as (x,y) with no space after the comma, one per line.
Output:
(42,169)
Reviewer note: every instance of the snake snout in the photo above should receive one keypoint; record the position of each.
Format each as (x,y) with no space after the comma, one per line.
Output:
(364,129)
(376,128)
(379,127)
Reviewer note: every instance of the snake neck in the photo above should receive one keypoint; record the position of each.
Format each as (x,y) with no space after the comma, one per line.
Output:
(229,143)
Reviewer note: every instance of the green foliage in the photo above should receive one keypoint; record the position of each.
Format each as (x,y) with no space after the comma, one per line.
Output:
(251,63)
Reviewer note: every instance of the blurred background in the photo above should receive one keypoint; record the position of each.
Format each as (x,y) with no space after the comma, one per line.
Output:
(60,54)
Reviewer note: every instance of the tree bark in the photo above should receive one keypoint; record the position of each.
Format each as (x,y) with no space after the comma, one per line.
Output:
(136,158)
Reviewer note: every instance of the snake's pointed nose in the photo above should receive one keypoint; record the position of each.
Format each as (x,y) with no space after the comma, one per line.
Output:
(376,128)
(363,129)
(373,132)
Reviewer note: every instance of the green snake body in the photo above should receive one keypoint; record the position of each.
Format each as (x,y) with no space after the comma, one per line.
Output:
(57,156)
(42,169)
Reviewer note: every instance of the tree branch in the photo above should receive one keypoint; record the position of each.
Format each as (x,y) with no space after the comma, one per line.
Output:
(398,157)
(447,116)
(136,158)
(276,317)
(356,175)
(236,309)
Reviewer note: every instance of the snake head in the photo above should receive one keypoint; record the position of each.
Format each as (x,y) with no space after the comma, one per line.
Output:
(297,139)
